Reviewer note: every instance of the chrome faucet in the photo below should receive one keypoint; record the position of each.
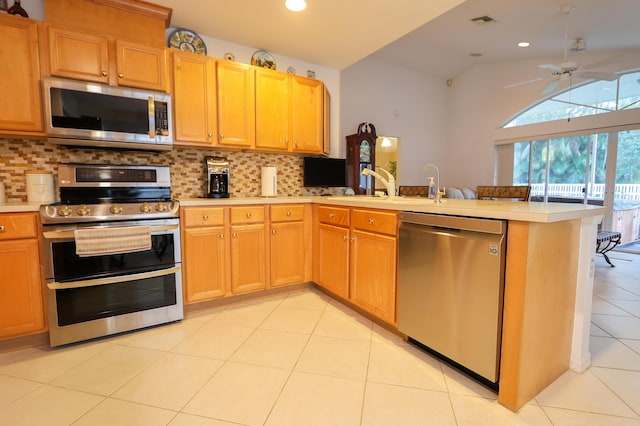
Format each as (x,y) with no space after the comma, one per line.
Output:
(439,194)
(389,184)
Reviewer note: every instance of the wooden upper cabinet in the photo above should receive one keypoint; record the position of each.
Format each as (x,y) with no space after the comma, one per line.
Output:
(307,115)
(141,66)
(194,99)
(102,59)
(236,104)
(272,110)
(20,101)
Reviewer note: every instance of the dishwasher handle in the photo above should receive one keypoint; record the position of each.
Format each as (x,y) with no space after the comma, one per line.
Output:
(454,223)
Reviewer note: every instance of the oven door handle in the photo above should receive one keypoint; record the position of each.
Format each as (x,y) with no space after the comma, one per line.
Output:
(57,235)
(113,280)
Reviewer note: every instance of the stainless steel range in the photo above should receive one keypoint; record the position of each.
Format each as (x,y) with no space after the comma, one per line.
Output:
(112,251)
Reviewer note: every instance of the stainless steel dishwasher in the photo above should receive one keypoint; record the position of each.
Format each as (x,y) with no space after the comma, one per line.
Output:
(450,288)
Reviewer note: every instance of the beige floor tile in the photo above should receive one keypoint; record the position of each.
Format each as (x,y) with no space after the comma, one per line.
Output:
(12,388)
(601,306)
(241,393)
(292,320)
(404,366)
(272,348)
(12,356)
(44,363)
(335,357)
(382,335)
(337,324)
(476,411)
(160,338)
(459,384)
(609,352)
(597,331)
(397,405)
(48,405)
(630,307)
(183,419)
(583,392)
(633,344)
(310,300)
(115,412)
(205,315)
(613,292)
(107,371)
(310,399)
(170,382)
(618,326)
(561,417)
(243,315)
(625,384)
(214,341)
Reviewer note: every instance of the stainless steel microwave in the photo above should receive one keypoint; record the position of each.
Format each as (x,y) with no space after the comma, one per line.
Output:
(90,114)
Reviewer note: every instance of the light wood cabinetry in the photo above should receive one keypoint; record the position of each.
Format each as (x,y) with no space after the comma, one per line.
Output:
(272,110)
(103,59)
(287,245)
(194,99)
(205,254)
(356,254)
(21,304)
(236,105)
(248,249)
(20,99)
(307,115)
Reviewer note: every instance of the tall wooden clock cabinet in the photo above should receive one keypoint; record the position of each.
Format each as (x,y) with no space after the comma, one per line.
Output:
(361,153)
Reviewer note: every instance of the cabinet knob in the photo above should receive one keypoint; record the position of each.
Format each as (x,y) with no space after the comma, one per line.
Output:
(295,143)
(288,213)
(345,237)
(273,231)
(221,135)
(1,228)
(353,239)
(104,73)
(330,215)
(370,221)
(120,75)
(222,236)
(248,215)
(210,134)
(286,141)
(235,235)
(205,217)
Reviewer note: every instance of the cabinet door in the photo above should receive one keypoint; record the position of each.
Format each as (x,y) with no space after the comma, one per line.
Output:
(287,253)
(78,55)
(141,66)
(204,264)
(307,114)
(272,110)
(333,259)
(248,258)
(236,104)
(194,99)
(373,274)
(20,104)
(21,307)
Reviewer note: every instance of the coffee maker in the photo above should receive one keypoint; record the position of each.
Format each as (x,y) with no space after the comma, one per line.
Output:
(217,177)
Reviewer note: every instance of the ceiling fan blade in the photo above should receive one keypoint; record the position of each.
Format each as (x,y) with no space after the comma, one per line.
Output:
(550,67)
(551,87)
(592,75)
(522,83)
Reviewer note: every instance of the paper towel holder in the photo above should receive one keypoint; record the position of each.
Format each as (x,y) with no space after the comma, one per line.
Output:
(269,181)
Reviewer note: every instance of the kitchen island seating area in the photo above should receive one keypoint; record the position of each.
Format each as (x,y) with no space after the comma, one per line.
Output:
(607,241)
(515,192)
(303,358)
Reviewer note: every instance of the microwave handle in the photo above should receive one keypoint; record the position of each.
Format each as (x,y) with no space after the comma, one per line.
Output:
(152,117)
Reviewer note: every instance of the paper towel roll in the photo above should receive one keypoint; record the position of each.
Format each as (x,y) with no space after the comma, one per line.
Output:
(269,181)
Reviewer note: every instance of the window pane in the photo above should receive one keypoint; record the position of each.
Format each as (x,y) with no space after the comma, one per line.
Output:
(538,169)
(521,155)
(598,169)
(629,91)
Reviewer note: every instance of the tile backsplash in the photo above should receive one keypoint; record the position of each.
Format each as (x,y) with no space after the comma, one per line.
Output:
(187,167)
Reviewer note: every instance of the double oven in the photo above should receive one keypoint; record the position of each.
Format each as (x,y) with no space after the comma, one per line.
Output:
(111,252)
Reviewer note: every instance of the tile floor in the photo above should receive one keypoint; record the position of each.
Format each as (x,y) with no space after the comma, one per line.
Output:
(305,359)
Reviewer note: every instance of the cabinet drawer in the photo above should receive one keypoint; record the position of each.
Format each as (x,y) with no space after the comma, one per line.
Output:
(287,213)
(203,216)
(17,225)
(375,221)
(334,215)
(249,214)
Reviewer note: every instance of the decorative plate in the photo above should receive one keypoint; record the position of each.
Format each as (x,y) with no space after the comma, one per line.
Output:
(263,59)
(187,41)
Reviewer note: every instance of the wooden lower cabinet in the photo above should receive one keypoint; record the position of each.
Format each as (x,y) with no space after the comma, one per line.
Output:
(205,265)
(287,253)
(21,299)
(332,261)
(248,258)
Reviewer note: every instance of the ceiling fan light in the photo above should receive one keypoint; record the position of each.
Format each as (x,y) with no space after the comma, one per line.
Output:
(295,5)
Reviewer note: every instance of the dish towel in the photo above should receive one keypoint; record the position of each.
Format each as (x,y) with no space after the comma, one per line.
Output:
(101,241)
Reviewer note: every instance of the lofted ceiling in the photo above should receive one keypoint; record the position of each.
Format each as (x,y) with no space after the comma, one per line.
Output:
(434,36)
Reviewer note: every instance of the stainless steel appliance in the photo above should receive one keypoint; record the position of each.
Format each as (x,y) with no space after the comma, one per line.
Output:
(450,288)
(217,173)
(92,114)
(113,288)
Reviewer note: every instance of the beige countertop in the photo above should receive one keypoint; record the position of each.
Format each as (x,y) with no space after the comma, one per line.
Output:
(510,210)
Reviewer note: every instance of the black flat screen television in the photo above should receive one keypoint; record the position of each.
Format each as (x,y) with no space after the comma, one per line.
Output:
(324,172)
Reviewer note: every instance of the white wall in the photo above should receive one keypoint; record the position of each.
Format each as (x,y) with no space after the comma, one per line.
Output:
(400,103)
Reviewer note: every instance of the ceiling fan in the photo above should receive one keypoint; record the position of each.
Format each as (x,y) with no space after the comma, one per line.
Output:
(568,69)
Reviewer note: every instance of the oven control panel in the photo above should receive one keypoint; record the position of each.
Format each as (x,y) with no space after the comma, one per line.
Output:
(65,213)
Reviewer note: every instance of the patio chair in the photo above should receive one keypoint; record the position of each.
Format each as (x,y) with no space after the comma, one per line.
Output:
(518,193)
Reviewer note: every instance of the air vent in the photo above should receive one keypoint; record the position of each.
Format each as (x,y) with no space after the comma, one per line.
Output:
(481,20)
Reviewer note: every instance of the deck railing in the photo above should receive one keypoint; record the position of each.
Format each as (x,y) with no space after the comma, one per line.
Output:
(571,190)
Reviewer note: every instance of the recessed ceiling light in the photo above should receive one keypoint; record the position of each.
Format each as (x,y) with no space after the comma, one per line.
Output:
(524,44)
(295,5)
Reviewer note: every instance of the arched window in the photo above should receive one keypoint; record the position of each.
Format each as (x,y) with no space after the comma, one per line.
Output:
(598,97)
